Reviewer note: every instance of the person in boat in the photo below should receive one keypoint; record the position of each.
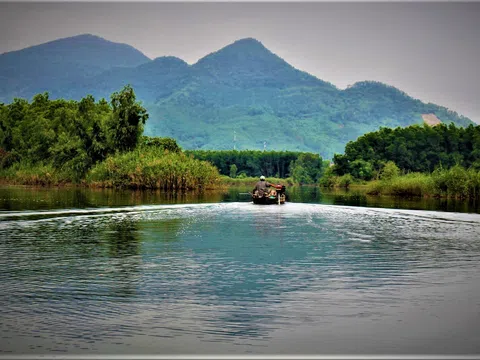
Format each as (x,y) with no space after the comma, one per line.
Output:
(261,187)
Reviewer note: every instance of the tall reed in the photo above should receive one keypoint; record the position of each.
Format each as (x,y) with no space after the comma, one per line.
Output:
(23,173)
(456,182)
(154,168)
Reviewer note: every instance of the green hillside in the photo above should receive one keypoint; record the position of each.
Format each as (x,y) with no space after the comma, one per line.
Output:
(242,92)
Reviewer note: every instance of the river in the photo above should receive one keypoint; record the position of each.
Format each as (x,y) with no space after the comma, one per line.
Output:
(122,272)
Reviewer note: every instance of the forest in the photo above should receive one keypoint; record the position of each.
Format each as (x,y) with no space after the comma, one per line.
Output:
(302,167)
(440,161)
(65,141)
(413,149)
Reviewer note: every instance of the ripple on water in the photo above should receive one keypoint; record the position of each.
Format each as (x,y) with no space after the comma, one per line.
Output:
(234,276)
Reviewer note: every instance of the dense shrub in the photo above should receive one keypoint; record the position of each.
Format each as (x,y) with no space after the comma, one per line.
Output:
(456,182)
(154,169)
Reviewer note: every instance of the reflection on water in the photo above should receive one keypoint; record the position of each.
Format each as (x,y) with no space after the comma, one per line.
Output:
(234,278)
(15,198)
(358,197)
(34,198)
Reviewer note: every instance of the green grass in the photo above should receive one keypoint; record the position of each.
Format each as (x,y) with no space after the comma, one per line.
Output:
(143,168)
(413,184)
(37,174)
(153,169)
(456,182)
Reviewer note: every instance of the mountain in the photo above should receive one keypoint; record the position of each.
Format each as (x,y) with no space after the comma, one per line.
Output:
(59,64)
(241,91)
(152,80)
(248,64)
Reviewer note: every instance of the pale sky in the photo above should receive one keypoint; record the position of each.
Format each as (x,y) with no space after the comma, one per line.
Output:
(430,50)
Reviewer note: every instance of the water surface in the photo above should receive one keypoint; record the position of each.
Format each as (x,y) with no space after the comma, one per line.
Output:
(131,273)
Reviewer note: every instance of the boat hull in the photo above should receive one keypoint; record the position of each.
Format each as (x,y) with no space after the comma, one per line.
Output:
(269,200)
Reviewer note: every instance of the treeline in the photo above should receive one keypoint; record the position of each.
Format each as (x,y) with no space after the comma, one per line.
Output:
(73,135)
(439,161)
(59,141)
(306,168)
(413,149)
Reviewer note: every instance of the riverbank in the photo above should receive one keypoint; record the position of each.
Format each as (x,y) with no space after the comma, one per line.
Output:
(151,168)
(455,182)
(135,171)
(155,169)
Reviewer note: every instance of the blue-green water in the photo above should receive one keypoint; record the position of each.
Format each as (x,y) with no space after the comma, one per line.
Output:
(86,272)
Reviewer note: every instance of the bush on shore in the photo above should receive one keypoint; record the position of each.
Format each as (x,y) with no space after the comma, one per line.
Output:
(456,182)
(39,174)
(153,168)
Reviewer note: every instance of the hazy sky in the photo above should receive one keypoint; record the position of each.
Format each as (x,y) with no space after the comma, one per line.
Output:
(430,50)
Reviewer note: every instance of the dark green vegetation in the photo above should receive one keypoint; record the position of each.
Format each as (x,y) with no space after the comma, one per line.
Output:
(439,161)
(456,182)
(153,168)
(242,91)
(57,141)
(301,167)
(412,149)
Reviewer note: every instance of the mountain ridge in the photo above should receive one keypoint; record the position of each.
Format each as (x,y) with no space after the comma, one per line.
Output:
(242,87)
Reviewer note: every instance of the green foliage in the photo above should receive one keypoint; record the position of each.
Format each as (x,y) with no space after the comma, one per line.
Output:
(49,142)
(251,162)
(233,171)
(345,181)
(125,125)
(341,165)
(456,182)
(389,171)
(412,184)
(361,169)
(329,178)
(412,149)
(304,168)
(8,158)
(307,168)
(291,116)
(34,174)
(153,168)
(70,136)
(416,151)
(165,143)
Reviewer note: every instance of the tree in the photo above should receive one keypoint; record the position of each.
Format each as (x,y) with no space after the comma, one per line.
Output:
(165,143)
(389,171)
(307,169)
(361,169)
(341,164)
(233,171)
(125,126)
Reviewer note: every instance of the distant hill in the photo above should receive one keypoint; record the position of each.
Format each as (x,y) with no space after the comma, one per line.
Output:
(242,90)
(60,64)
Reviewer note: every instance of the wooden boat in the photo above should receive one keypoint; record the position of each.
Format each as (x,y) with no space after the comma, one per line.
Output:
(276,196)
